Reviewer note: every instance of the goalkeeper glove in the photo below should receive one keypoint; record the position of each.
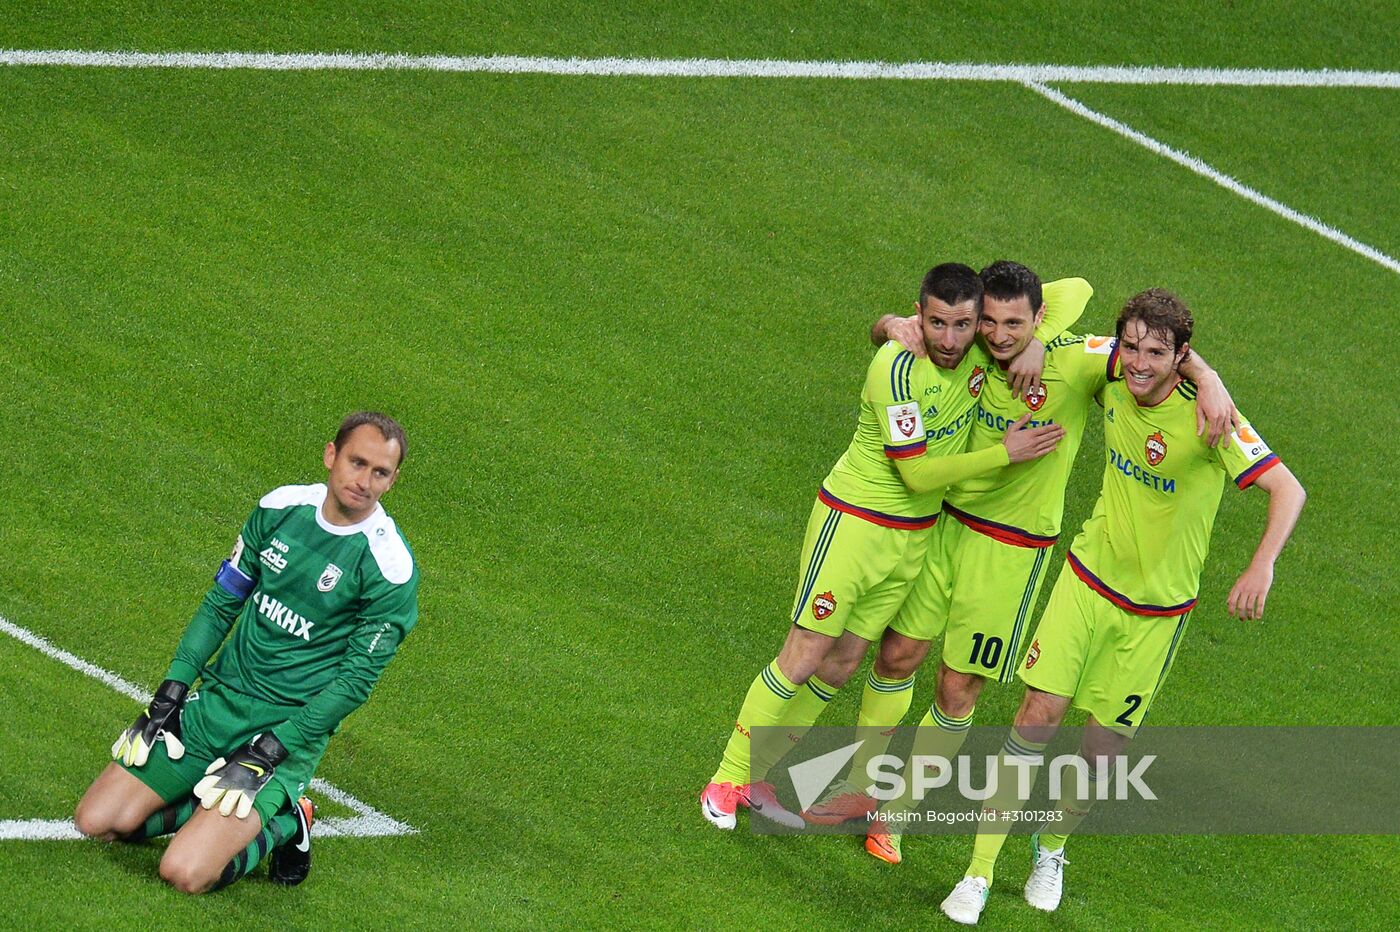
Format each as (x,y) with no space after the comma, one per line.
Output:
(237,778)
(160,722)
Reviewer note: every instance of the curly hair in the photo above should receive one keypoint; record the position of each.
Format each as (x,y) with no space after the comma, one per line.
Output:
(1163,313)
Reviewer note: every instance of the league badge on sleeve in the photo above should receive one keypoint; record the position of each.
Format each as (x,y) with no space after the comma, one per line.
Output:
(329,578)
(1156,449)
(823,605)
(905,422)
(1250,443)
(1101,346)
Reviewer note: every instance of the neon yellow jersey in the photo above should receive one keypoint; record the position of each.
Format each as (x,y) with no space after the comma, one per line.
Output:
(1023,504)
(911,407)
(908,407)
(1145,544)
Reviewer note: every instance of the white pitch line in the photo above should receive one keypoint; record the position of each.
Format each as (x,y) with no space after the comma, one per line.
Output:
(704,68)
(367,822)
(1225,181)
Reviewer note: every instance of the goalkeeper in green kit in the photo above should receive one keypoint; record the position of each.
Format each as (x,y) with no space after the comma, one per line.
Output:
(319,592)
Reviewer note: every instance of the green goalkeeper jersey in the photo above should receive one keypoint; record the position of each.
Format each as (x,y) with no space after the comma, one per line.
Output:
(910,407)
(1023,504)
(1144,546)
(317,610)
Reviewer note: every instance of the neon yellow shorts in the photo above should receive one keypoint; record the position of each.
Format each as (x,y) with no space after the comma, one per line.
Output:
(854,574)
(924,613)
(1109,662)
(994,590)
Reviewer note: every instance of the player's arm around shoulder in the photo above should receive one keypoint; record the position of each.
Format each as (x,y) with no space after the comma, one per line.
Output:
(1286,498)
(1063,302)
(926,473)
(902,330)
(1216,415)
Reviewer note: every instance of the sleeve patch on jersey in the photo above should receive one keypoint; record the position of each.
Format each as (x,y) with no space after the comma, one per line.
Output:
(906,424)
(1247,478)
(1249,442)
(1100,346)
(237,554)
(233,580)
(904,453)
(390,553)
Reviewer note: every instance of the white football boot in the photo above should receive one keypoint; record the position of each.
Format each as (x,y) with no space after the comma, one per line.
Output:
(1046,883)
(966,901)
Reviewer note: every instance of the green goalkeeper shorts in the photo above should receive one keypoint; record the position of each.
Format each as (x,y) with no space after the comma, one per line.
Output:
(217,720)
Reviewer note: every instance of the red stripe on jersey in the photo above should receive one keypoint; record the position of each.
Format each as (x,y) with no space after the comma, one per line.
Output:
(904,453)
(1245,479)
(1005,533)
(1122,601)
(875,517)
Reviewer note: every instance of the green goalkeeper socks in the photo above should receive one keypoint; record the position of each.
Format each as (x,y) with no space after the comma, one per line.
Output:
(164,821)
(281,827)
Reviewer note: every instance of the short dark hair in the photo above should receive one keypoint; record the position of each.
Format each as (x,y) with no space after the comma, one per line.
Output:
(388,428)
(952,283)
(1164,314)
(1006,281)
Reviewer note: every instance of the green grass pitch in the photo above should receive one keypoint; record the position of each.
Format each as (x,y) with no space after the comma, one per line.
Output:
(623,321)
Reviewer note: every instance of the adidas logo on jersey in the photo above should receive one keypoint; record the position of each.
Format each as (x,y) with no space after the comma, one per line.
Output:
(283,617)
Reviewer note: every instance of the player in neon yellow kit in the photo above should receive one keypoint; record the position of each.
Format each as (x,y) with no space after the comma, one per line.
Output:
(1120,606)
(868,529)
(986,561)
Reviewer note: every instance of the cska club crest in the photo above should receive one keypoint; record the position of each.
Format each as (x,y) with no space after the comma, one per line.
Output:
(329,578)
(974,381)
(1035,398)
(1156,449)
(1033,654)
(823,605)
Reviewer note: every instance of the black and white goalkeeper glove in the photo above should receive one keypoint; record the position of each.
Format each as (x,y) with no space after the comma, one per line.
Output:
(160,722)
(232,782)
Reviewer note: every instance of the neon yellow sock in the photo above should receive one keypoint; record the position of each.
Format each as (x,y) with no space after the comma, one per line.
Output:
(883,704)
(991,833)
(1074,807)
(765,703)
(939,734)
(801,713)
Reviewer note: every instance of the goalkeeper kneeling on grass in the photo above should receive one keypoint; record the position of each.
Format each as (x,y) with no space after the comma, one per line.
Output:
(319,592)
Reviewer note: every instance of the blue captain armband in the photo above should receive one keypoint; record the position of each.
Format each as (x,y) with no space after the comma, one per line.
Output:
(233,580)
